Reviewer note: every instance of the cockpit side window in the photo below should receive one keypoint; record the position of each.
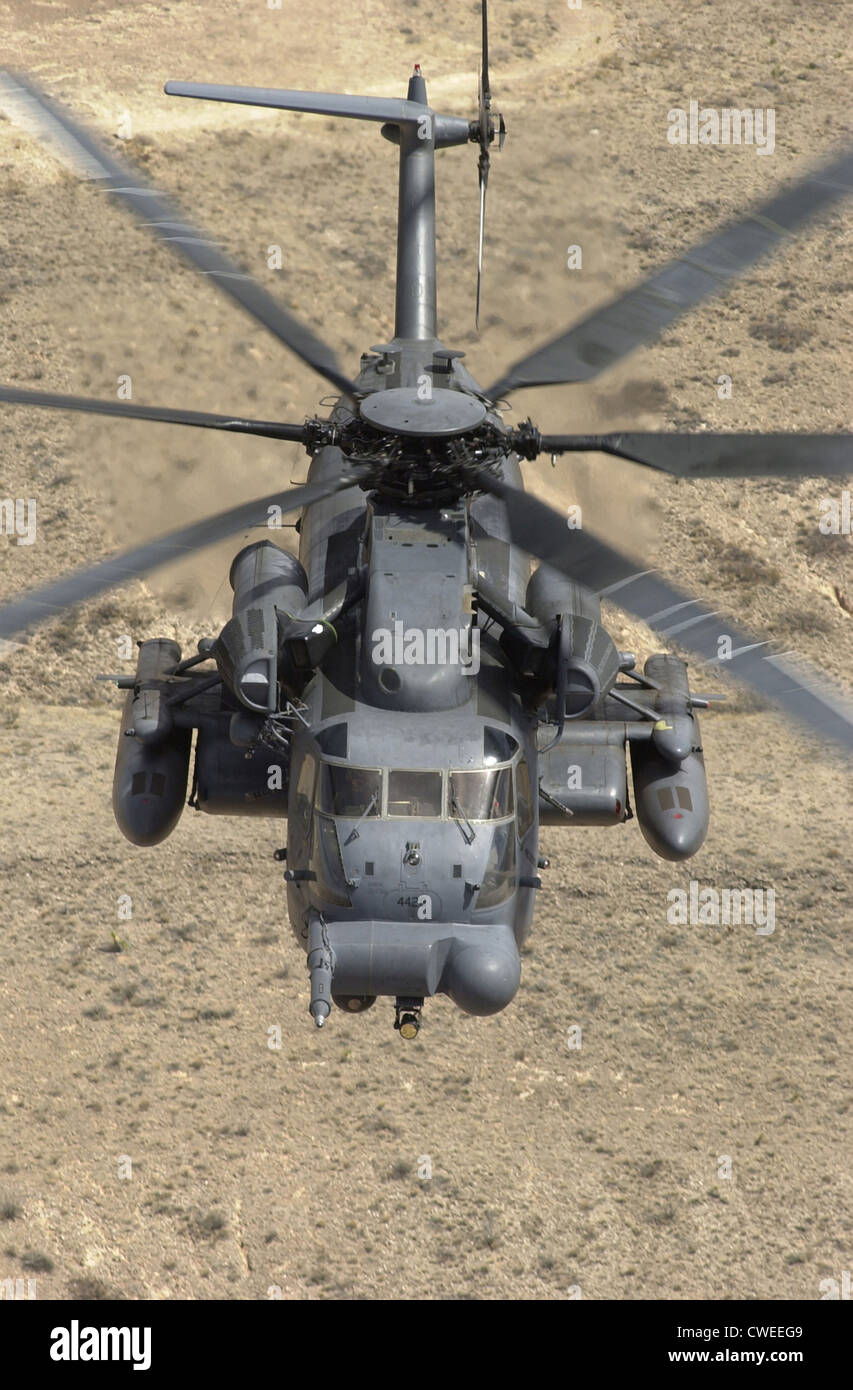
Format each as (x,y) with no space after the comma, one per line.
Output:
(498,746)
(328,865)
(499,880)
(304,798)
(484,795)
(414,793)
(350,791)
(524,801)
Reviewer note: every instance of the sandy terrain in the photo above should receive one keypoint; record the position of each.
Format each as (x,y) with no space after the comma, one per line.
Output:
(301,1169)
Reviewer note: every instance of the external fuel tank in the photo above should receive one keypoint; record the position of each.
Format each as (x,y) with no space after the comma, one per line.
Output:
(670,788)
(153,757)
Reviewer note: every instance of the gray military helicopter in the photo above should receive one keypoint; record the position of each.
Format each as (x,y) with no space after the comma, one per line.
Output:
(405,692)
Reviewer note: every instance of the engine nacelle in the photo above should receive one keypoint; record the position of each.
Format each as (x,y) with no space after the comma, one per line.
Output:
(591,663)
(580,662)
(264,579)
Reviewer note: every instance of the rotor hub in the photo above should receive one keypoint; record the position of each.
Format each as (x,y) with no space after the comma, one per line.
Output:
(434,414)
(418,469)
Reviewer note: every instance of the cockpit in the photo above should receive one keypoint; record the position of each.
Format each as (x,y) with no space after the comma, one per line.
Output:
(458,829)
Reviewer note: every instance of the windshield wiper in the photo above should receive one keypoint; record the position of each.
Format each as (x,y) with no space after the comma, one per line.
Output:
(466,829)
(552,801)
(353,835)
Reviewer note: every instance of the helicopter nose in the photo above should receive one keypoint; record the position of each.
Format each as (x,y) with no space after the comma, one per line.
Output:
(478,967)
(483,979)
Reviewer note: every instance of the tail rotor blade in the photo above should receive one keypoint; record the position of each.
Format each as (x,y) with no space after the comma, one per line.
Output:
(484,134)
(483,185)
(485,90)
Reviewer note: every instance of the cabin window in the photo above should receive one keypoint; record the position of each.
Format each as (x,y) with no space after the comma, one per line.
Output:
(481,795)
(414,793)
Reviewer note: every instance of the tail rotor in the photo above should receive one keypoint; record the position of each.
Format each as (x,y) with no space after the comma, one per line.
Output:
(483,133)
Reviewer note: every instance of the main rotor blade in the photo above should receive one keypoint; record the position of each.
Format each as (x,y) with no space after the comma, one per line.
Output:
(638,317)
(42,604)
(718,455)
(168,223)
(269,429)
(797,688)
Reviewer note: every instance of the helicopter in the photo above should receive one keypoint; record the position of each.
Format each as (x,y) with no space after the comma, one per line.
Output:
(404,693)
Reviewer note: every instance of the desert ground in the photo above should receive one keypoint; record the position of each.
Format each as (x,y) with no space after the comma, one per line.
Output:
(487,1159)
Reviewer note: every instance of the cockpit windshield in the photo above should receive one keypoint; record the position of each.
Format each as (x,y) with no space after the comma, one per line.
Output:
(485,795)
(356,793)
(414,793)
(350,791)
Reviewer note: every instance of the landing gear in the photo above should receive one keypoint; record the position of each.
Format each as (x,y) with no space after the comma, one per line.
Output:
(354,1003)
(407,1018)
